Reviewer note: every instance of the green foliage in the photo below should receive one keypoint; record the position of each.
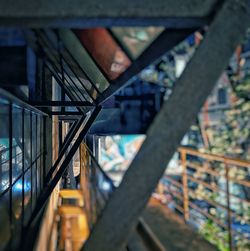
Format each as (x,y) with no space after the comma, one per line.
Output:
(215,235)
(220,238)
(242,90)
(232,137)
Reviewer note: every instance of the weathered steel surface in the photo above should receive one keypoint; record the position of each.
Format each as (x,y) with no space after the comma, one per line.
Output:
(166,41)
(170,125)
(171,230)
(80,13)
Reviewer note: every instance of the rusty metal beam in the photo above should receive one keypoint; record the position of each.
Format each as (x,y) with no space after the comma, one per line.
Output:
(122,211)
(94,13)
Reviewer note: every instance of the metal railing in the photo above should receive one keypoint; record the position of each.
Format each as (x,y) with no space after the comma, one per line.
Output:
(97,188)
(17,156)
(64,67)
(21,164)
(212,193)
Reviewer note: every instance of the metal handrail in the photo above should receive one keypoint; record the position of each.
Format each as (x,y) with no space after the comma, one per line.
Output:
(215,157)
(204,166)
(142,228)
(13,99)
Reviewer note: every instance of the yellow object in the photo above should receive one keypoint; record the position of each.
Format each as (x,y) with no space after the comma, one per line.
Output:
(71,194)
(74,227)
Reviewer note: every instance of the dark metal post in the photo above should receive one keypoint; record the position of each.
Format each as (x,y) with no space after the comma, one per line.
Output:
(229,216)
(1,171)
(63,165)
(185,185)
(23,183)
(10,166)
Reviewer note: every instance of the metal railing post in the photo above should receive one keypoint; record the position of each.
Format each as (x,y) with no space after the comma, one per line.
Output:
(185,185)
(1,169)
(229,216)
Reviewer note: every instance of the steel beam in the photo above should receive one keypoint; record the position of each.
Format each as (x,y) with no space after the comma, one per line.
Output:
(65,113)
(68,118)
(166,41)
(122,211)
(60,103)
(11,98)
(65,146)
(95,13)
(62,166)
(32,228)
(56,60)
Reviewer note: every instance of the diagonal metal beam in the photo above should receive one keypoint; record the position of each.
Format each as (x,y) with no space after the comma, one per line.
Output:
(166,41)
(76,127)
(49,66)
(82,58)
(83,130)
(56,59)
(62,166)
(94,13)
(28,243)
(123,209)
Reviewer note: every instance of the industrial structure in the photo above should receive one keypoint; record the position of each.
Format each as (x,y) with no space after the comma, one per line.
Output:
(72,71)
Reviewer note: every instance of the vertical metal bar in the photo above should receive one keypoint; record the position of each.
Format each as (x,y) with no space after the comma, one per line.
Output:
(43,81)
(41,153)
(31,156)
(80,68)
(1,173)
(65,146)
(10,166)
(185,185)
(46,41)
(63,98)
(229,216)
(61,57)
(63,165)
(60,135)
(36,154)
(68,91)
(44,150)
(22,169)
(63,72)
(14,154)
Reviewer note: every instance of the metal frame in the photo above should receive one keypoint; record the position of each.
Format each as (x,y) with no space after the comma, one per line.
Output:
(78,65)
(23,110)
(55,72)
(44,41)
(61,103)
(68,140)
(169,37)
(164,135)
(110,13)
(63,164)
(99,199)
(53,113)
(208,162)
(96,13)
(13,99)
